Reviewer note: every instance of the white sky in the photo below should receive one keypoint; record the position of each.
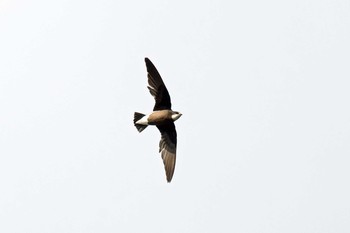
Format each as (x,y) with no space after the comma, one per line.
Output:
(263,143)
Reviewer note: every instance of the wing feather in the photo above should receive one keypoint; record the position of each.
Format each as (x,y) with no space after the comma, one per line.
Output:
(167,148)
(157,87)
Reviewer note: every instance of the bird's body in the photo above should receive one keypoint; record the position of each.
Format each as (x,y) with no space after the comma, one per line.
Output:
(162,117)
(159,117)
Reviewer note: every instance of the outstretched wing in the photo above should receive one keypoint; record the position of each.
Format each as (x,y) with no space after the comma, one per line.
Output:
(157,87)
(167,147)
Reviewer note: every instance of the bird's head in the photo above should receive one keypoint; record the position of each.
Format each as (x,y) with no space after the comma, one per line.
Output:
(175,115)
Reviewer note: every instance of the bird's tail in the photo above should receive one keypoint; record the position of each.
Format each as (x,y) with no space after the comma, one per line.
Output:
(138,116)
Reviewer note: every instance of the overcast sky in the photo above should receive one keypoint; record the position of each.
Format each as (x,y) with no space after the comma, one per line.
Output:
(263,143)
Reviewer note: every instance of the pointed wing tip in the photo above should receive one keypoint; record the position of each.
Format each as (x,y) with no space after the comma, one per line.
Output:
(148,63)
(169,168)
(169,177)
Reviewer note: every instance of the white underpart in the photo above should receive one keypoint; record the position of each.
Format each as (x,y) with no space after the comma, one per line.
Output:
(143,120)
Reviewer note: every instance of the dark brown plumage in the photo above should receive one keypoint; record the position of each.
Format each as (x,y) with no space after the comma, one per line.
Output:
(163,117)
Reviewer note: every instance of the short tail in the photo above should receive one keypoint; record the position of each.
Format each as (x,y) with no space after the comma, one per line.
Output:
(138,116)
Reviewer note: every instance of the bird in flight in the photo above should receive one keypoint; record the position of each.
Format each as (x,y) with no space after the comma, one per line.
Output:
(162,117)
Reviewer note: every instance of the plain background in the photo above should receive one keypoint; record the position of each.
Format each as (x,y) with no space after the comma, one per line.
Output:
(263,143)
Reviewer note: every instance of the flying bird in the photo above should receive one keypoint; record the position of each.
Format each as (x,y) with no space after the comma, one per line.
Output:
(162,117)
